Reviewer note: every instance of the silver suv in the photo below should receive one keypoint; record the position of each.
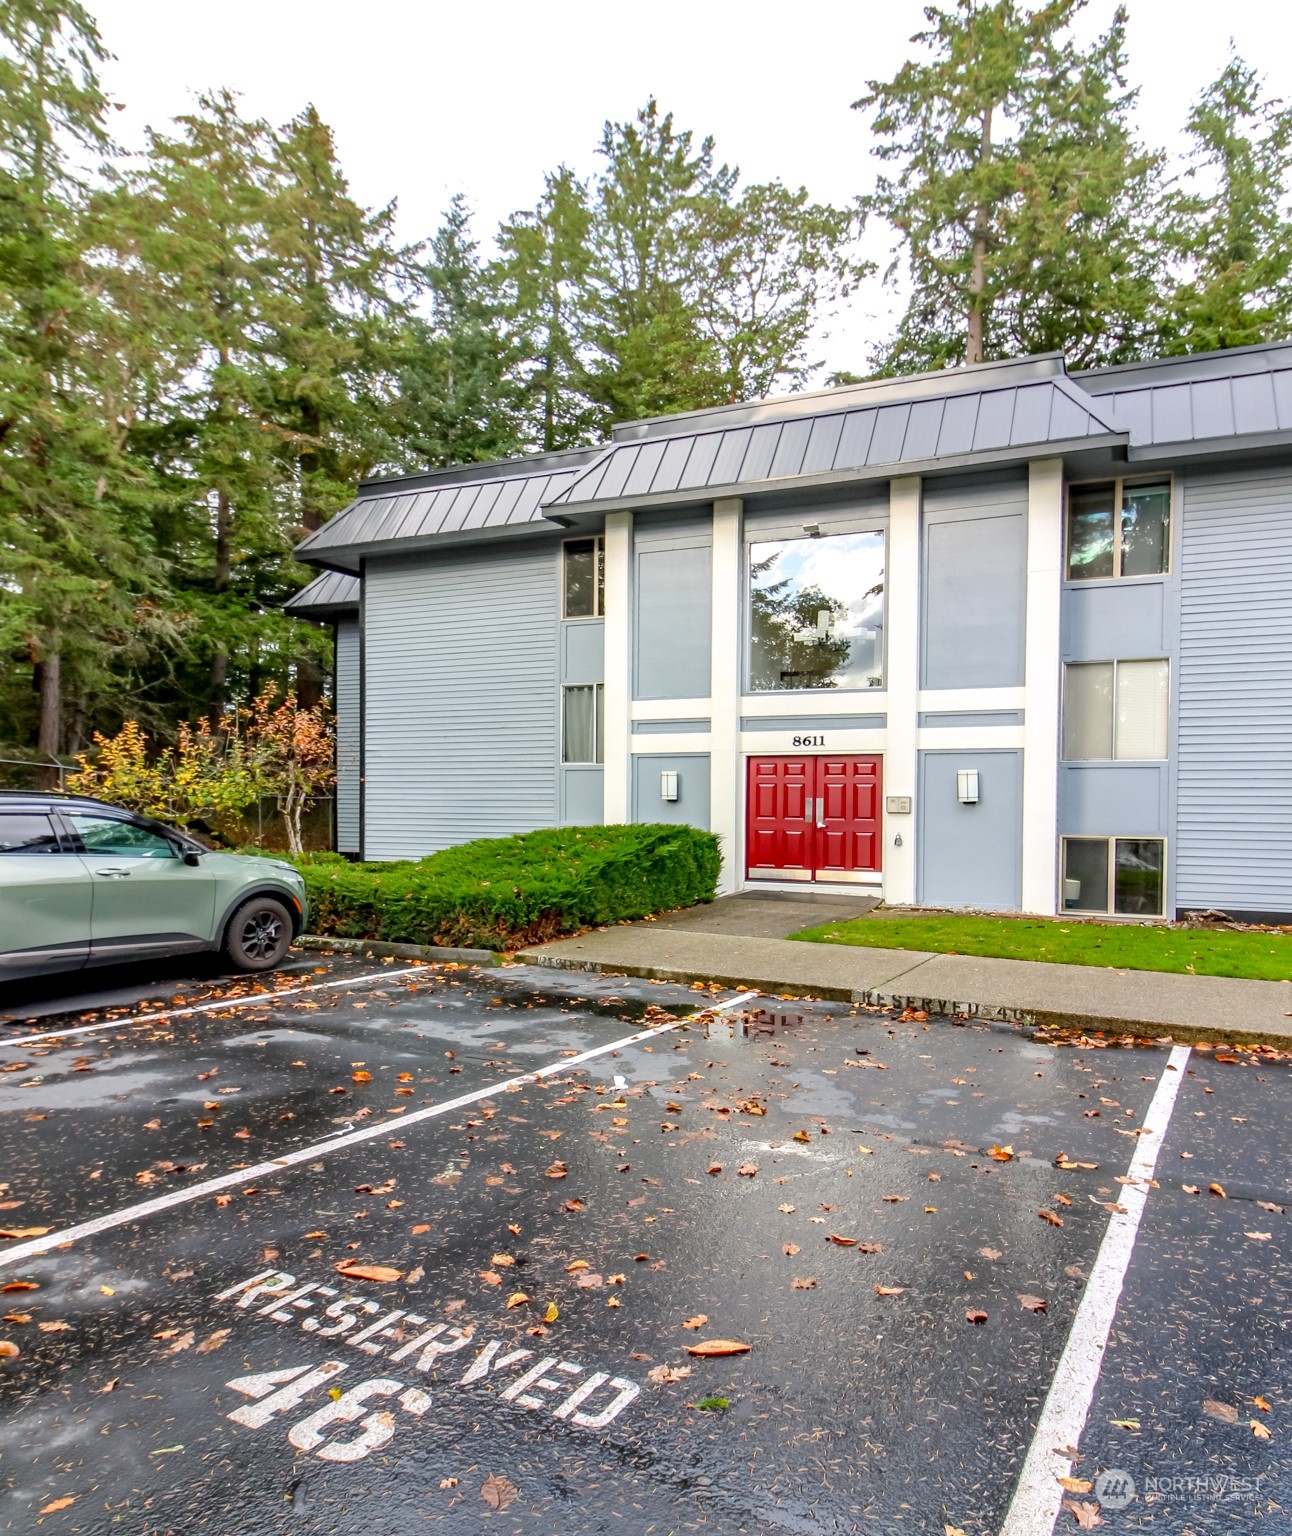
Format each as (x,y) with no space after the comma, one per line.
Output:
(84,883)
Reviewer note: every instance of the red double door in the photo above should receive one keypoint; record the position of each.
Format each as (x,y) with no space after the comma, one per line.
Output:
(813,818)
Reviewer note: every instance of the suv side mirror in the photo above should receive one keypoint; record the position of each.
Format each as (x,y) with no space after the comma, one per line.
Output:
(192,858)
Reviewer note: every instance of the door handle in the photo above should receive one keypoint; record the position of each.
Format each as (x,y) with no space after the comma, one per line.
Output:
(810,812)
(820,811)
(113,874)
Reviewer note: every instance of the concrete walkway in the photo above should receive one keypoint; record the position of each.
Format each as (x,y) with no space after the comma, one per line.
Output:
(693,946)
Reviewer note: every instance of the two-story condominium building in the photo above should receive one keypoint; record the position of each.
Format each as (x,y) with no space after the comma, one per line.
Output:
(999,637)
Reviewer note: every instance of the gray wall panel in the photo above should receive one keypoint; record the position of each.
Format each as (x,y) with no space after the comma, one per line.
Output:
(974,602)
(672,588)
(1234,788)
(1106,623)
(460,718)
(692,727)
(1113,800)
(692,804)
(970,717)
(970,855)
(817,723)
(582,796)
(583,651)
(346,684)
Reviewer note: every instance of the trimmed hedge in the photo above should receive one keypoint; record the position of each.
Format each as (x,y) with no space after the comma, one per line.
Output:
(505,892)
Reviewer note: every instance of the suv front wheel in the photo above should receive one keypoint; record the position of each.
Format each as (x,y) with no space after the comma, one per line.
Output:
(258,935)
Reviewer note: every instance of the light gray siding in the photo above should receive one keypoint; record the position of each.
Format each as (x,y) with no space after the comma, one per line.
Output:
(672,595)
(975,582)
(583,795)
(346,683)
(971,855)
(1114,800)
(460,719)
(1234,790)
(1115,620)
(692,803)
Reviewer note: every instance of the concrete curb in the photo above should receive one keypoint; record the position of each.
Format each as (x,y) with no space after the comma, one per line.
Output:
(884,997)
(379,950)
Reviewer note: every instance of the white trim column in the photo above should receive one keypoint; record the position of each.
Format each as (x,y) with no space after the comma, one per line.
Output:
(902,681)
(1042,680)
(726,792)
(617,689)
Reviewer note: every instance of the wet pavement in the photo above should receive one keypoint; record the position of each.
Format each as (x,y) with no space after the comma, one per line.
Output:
(838,1189)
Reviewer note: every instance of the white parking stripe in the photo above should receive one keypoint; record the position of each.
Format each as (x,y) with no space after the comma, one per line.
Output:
(252,1000)
(1039,1495)
(132,1213)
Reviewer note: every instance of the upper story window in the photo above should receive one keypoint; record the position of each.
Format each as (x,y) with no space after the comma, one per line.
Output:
(1115,709)
(583,578)
(817,612)
(1119,528)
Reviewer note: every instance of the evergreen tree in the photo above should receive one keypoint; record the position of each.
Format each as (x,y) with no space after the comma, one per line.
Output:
(541,273)
(1020,193)
(459,401)
(1224,223)
(69,572)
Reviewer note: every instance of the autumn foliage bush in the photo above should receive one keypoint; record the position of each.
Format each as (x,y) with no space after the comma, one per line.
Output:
(504,892)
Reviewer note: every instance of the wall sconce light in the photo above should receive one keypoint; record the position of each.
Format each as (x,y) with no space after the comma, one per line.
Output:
(668,785)
(813,530)
(967,786)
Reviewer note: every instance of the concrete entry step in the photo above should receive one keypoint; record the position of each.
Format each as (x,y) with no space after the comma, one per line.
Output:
(766,914)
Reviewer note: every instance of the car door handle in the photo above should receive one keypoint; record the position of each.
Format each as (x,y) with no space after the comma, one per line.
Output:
(113,874)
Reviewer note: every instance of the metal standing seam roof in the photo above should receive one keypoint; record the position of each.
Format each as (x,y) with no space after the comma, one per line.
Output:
(958,425)
(1199,400)
(332,591)
(419,511)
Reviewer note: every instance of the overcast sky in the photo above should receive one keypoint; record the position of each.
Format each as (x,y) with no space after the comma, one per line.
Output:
(428,99)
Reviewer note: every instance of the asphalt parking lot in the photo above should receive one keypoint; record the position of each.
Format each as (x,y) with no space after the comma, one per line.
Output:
(327,1257)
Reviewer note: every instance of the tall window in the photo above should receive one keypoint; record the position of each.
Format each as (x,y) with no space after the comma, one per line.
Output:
(1119,528)
(582,729)
(817,612)
(1115,709)
(1124,875)
(584,578)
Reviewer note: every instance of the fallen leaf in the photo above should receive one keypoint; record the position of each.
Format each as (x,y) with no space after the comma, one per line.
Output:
(843,1242)
(1000,1154)
(1268,1205)
(714,1347)
(990,1254)
(747,1170)
(557,1170)
(24,1232)
(498,1492)
(517,1299)
(1261,1431)
(54,1327)
(895,1199)
(1226,1413)
(1032,1303)
(790,1249)
(502,1260)
(590,1282)
(16,1317)
(975,1317)
(665,1375)
(1191,1189)
(152,1125)
(361,1077)
(870,1247)
(552,1313)
(714,1168)
(577,1265)
(1124,1423)
(214,1342)
(56,1504)
(353,1271)
(952,1530)
(698,1321)
(1075,1484)
(800,1136)
(1259,1237)
(890,1290)
(786,1210)
(803,1283)
(185,1341)
(448,1482)
(8,1350)
(20,1285)
(490,1276)
(1263,1404)
(1055,1221)
(1084,1513)
(1217,1189)
(414,1275)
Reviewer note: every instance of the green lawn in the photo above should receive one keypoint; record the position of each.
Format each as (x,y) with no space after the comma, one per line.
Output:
(1265,956)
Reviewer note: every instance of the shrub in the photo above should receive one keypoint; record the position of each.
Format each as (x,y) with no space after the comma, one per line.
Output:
(504,892)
